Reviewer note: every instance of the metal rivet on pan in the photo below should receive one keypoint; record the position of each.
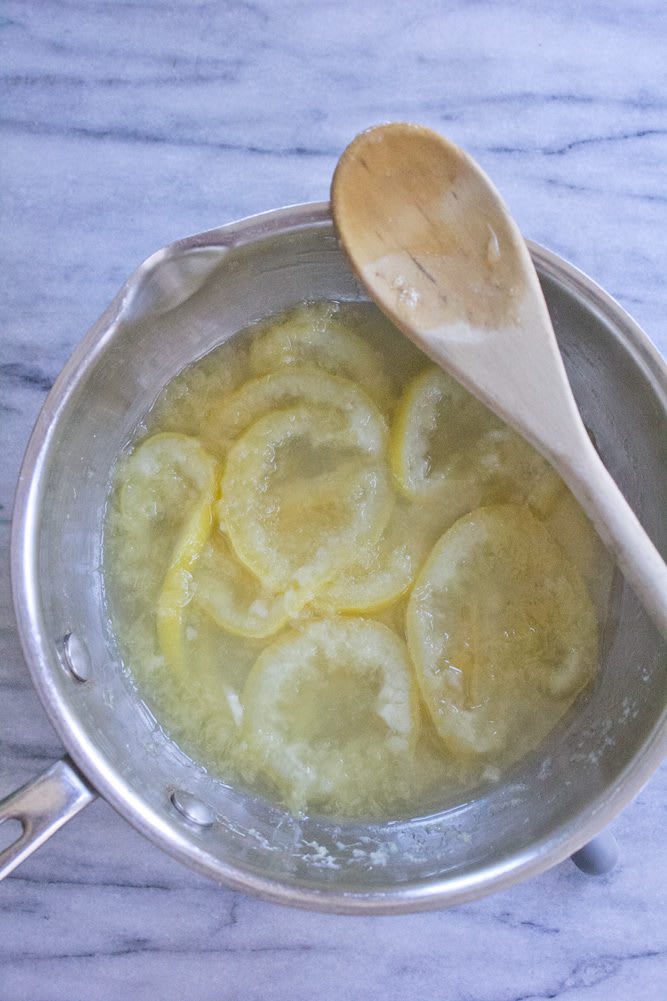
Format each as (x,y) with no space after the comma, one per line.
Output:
(192,808)
(75,657)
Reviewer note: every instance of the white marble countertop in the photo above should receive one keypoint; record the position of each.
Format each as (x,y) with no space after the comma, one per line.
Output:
(126,124)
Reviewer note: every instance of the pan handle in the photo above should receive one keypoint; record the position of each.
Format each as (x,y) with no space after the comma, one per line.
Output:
(42,806)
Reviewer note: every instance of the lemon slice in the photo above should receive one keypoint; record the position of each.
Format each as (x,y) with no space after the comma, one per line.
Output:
(422,420)
(169,488)
(315,334)
(178,587)
(163,478)
(501,631)
(232,596)
(162,483)
(294,544)
(328,710)
(294,386)
(381,573)
(445,445)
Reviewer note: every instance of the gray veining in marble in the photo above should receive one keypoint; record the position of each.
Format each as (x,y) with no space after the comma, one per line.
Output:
(125,125)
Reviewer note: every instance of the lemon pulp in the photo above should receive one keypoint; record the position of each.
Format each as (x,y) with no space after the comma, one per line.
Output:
(338,580)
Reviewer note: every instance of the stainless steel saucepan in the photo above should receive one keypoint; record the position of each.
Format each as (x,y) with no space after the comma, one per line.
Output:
(178,305)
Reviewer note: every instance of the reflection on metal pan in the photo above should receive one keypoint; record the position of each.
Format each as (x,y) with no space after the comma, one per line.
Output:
(179,304)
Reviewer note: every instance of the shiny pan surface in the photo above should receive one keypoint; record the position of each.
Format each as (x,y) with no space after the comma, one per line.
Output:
(178,305)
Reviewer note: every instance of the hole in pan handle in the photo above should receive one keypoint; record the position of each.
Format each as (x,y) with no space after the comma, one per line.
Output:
(41,807)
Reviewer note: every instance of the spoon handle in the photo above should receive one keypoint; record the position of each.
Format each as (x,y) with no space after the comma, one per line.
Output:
(620,530)
(530,390)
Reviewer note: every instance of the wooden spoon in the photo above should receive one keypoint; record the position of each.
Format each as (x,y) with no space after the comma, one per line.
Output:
(430,238)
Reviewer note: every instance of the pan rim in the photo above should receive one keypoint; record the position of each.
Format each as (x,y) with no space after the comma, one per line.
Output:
(561,841)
